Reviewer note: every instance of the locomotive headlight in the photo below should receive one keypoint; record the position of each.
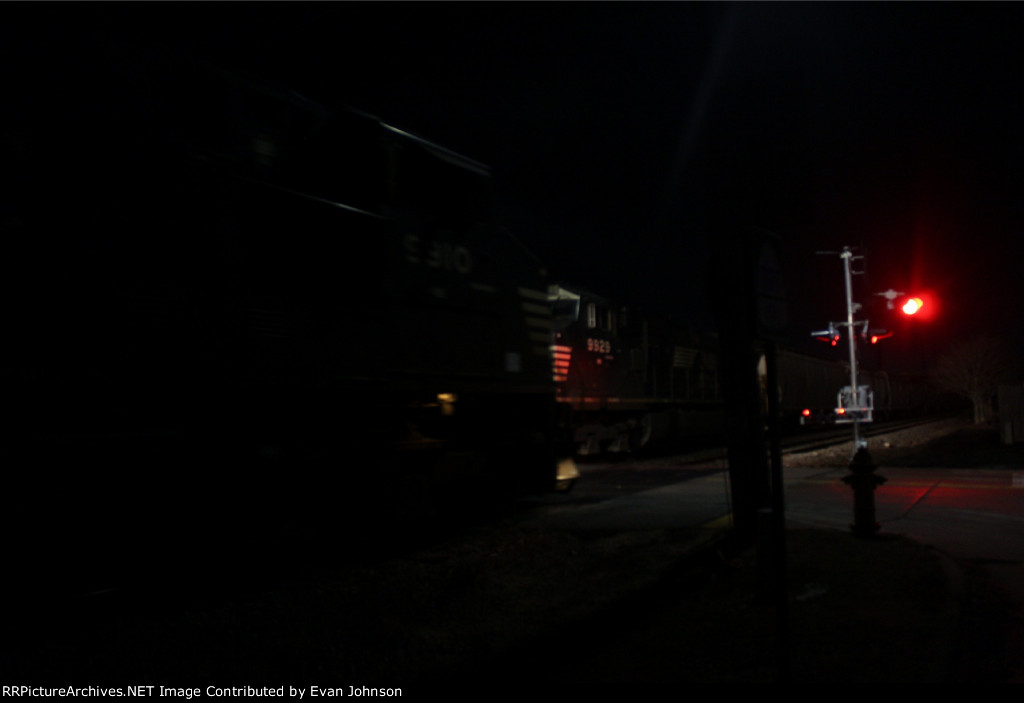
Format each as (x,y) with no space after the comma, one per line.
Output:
(566,474)
(447,403)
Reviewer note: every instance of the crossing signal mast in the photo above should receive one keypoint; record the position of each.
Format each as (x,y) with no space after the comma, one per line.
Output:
(854,403)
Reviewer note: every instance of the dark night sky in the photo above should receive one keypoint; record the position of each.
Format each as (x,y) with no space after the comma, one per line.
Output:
(622,136)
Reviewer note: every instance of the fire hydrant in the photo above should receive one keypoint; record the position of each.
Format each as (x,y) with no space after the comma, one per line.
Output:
(863,480)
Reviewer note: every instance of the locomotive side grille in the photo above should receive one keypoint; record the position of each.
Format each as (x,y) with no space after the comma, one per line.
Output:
(537,315)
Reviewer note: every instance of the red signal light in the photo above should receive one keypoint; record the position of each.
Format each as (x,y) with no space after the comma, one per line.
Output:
(913,306)
(806,412)
(923,306)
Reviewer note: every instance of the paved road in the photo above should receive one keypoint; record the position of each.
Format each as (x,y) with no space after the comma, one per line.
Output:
(973,515)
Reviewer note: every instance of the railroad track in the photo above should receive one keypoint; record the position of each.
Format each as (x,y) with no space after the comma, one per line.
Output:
(841,436)
(819,440)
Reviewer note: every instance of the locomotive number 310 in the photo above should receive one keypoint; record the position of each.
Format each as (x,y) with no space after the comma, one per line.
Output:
(437,254)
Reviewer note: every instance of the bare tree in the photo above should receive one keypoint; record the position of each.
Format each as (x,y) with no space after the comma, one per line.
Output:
(974,369)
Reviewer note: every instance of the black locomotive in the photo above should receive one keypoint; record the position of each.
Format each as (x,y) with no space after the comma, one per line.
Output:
(230,308)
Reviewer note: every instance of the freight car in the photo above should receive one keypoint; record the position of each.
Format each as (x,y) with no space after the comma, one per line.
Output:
(808,388)
(230,307)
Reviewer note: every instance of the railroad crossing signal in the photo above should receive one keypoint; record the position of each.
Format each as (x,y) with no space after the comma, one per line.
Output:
(830,335)
(855,404)
(850,400)
(921,305)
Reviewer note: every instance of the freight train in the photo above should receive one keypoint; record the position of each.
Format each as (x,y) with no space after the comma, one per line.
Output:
(629,381)
(230,307)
